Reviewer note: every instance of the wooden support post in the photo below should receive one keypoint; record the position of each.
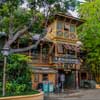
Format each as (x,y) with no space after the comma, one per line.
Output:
(41,56)
(56,50)
(77,78)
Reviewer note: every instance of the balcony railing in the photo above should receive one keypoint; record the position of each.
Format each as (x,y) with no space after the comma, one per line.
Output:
(36,59)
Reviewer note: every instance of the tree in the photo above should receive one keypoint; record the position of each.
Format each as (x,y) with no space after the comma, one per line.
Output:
(90,34)
(18,79)
(18,74)
(16,21)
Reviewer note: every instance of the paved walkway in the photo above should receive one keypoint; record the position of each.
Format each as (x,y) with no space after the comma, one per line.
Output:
(93,94)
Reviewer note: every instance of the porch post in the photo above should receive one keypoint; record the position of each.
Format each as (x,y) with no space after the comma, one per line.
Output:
(41,47)
(76,77)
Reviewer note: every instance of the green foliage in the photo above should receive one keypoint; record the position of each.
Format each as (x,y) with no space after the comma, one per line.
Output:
(18,69)
(0,88)
(18,75)
(15,88)
(90,33)
(1,59)
(12,13)
(53,5)
(13,17)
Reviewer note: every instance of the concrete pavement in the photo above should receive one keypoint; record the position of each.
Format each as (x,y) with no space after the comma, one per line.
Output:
(91,94)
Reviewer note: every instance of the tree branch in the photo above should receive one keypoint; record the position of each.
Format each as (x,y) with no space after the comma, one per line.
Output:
(19,33)
(26,48)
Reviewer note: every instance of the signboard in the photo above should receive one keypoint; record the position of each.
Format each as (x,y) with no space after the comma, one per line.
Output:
(67,60)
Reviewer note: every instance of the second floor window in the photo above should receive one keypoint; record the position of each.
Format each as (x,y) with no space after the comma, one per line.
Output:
(66,34)
(72,28)
(60,25)
(59,33)
(72,36)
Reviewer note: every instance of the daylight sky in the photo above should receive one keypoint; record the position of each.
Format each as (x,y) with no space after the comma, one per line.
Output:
(74,13)
(80,0)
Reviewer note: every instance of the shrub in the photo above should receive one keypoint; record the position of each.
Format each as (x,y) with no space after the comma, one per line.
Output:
(18,76)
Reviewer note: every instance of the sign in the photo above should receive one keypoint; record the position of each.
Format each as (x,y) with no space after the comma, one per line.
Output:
(68,61)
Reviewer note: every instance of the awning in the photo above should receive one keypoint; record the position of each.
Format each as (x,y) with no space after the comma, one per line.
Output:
(72,47)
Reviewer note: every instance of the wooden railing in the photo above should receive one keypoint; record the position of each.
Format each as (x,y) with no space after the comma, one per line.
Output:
(36,59)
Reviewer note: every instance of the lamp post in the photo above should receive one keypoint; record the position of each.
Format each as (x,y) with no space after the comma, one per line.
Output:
(5,52)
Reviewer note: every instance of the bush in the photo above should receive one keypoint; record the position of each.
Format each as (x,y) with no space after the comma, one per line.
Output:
(15,88)
(0,88)
(18,76)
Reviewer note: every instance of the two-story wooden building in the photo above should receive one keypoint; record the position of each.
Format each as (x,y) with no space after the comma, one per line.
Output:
(58,52)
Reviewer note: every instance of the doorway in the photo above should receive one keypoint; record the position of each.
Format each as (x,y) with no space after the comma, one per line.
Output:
(69,82)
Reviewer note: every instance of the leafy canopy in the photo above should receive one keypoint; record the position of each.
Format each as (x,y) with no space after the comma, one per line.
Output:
(90,33)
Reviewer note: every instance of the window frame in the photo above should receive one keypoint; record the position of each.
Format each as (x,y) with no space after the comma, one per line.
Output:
(60,24)
(36,77)
(74,28)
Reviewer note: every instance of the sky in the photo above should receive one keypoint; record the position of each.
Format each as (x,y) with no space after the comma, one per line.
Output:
(81,0)
(74,13)
(25,4)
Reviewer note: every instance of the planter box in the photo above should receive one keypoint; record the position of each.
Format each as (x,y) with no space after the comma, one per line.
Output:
(39,96)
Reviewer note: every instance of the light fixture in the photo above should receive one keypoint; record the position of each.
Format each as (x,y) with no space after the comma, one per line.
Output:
(79,43)
(5,51)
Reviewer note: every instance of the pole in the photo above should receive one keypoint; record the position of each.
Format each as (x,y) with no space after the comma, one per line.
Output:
(76,71)
(57,81)
(4,76)
(62,86)
(77,84)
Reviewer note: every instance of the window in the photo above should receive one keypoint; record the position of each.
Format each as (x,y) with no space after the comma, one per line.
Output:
(36,77)
(72,36)
(59,33)
(66,34)
(45,77)
(60,48)
(60,25)
(66,26)
(72,28)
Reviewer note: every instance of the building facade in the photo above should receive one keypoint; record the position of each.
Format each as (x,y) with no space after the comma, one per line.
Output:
(58,53)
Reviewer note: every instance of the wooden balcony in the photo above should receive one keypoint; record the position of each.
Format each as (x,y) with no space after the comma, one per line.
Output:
(36,59)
